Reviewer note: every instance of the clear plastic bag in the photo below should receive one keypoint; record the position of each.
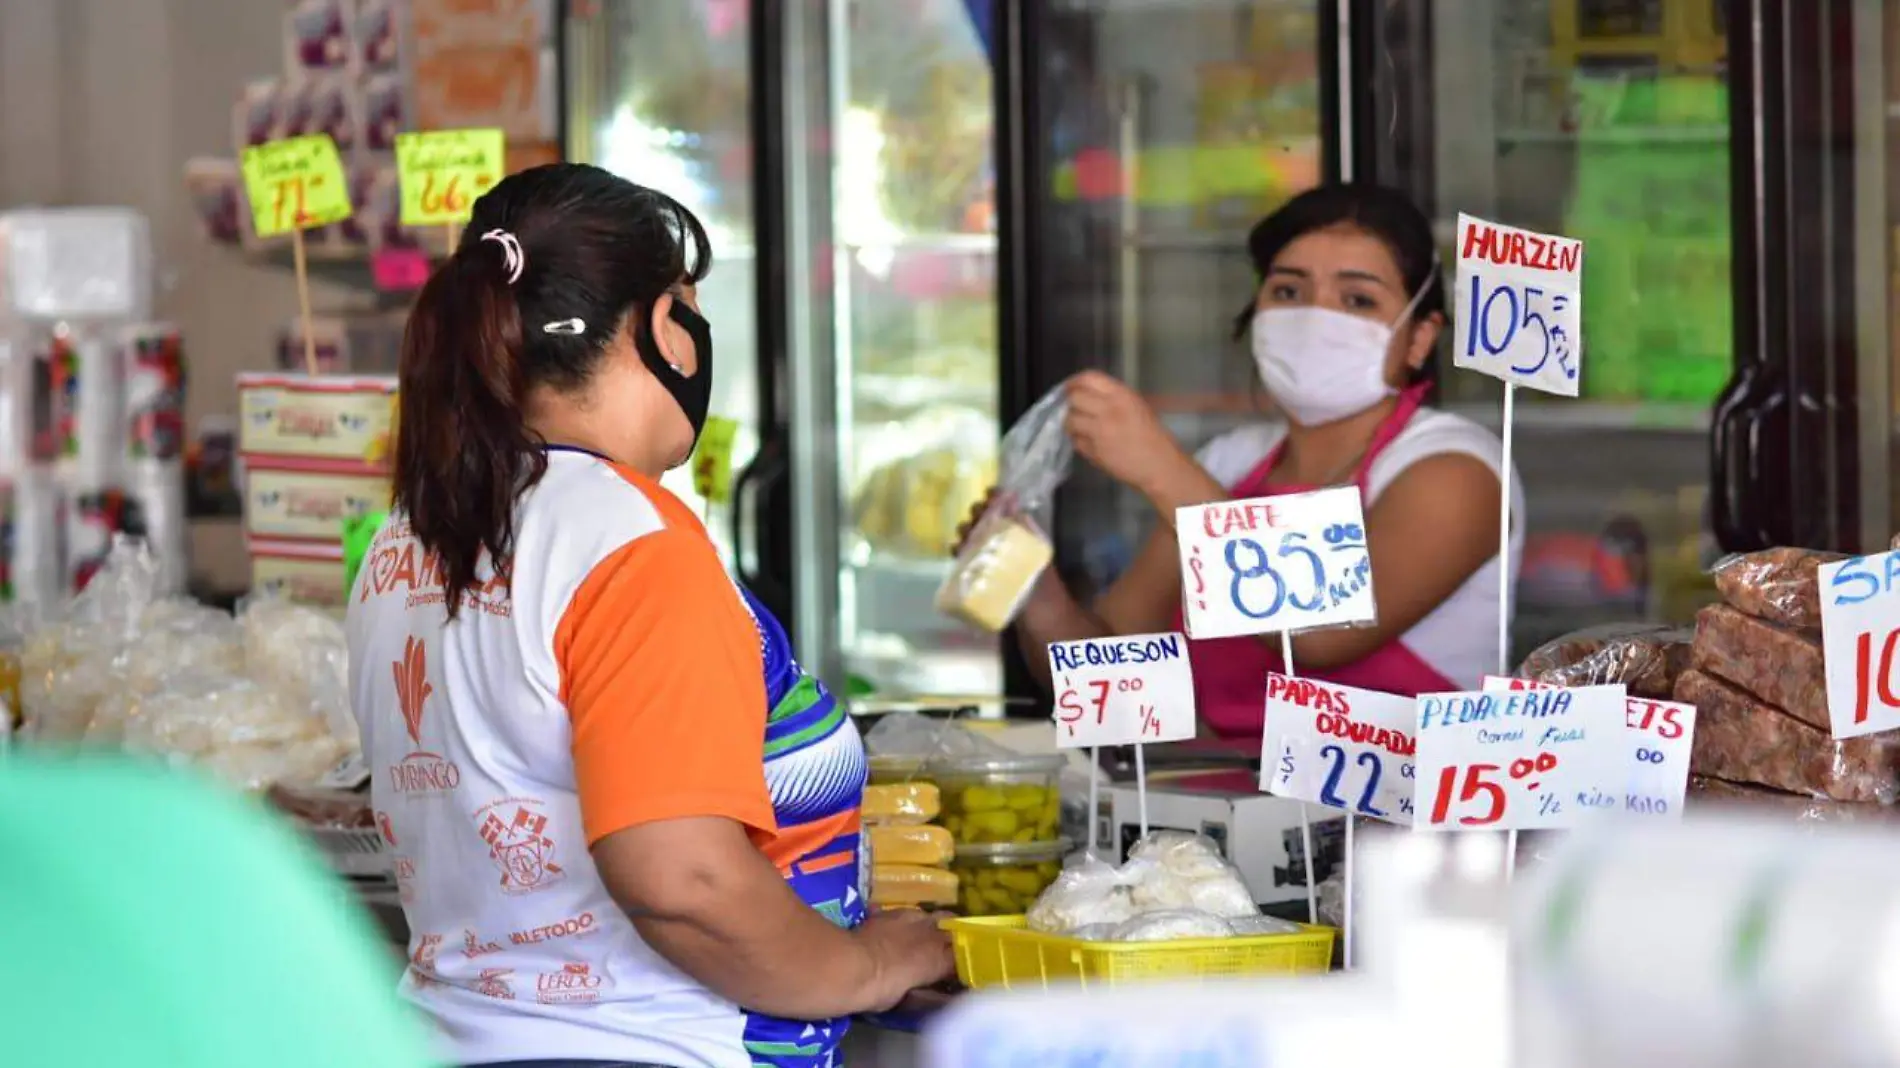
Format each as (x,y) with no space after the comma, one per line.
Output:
(1008,547)
(1740,738)
(303,654)
(1175,885)
(1706,794)
(1779,585)
(1645,657)
(241,732)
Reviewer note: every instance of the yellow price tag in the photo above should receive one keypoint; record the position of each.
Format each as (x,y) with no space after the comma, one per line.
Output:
(295,184)
(712,460)
(442,172)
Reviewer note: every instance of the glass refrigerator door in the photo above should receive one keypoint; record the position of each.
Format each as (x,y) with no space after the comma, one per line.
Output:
(1163,132)
(1605,120)
(907,273)
(659,92)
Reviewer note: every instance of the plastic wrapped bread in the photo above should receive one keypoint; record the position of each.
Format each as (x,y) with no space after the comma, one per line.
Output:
(1706,793)
(1743,739)
(1781,666)
(1779,585)
(1644,657)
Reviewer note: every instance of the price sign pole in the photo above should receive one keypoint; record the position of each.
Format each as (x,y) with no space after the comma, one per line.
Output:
(1344,748)
(1306,814)
(443,173)
(1519,319)
(1128,690)
(1277,564)
(294,185)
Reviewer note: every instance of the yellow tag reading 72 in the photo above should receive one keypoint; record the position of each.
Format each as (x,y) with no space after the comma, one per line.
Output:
(295,184)
(442,172)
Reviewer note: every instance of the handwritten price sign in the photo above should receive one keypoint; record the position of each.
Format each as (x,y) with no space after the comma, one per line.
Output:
(1339,746)
(1860,627)
(442,172)
(1519,760)
(1658,736)
(1121,691)
(295,184)
(1290,563)
(1519,314)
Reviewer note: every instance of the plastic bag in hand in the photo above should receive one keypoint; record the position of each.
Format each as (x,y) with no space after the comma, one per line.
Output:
(1007,548)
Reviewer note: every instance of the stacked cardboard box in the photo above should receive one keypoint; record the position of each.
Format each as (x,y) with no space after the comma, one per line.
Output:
(316,452)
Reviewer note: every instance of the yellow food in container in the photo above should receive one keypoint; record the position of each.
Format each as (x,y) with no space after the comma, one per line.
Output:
(1000,799)
(901,886)
(922,844)
(901,803)
(1006,879)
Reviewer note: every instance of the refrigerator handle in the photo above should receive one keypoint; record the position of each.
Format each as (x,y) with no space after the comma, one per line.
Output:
(767,468)
(1734,444)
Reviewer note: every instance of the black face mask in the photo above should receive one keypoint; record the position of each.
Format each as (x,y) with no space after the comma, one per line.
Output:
(692,393)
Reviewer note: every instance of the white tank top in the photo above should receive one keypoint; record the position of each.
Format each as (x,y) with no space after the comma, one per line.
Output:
(1458,639)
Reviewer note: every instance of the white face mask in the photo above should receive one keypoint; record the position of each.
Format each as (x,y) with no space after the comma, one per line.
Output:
(1322,365)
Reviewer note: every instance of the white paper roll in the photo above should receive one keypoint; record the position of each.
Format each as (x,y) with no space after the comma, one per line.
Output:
(16,405)
(35,558)
(157,490)
(89,408)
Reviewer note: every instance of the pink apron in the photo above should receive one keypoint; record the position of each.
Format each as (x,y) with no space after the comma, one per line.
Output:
(1230,674)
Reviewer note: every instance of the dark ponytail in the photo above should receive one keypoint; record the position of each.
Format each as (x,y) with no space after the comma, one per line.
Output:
(548,245)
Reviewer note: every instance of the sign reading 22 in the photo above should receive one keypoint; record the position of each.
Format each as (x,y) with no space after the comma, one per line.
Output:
(1521,307)
(1253,570)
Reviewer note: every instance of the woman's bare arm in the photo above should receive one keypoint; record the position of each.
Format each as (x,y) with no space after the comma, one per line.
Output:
(1428,532)
(704,897)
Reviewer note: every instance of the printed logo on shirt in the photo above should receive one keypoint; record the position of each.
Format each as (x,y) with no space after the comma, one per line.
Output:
(571,927)
(421,773)
(405,878)
(387,829)
(515,829)
(473,946)
(493,982)
(422,961)
(573,984)
(402,567)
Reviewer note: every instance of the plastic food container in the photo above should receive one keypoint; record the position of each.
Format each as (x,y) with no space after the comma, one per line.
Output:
(999,799)
(886,770)
(1005,879)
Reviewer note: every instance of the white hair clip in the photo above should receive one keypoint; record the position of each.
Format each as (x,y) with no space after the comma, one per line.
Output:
(511,255)
(572,327)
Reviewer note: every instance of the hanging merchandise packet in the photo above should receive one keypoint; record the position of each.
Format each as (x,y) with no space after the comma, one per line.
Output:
(1008,547)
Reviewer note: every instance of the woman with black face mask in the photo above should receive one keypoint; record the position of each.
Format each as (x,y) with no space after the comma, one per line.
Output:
(625,822)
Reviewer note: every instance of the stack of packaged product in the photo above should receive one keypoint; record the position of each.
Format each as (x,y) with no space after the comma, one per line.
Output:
(316,453)
(343,75)
(92,394)
(1753,668)
(257,700)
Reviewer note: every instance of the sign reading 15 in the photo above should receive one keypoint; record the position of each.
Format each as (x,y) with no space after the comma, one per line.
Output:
(1523,308)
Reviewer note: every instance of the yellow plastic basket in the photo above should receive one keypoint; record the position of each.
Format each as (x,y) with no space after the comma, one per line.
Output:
(1002,951)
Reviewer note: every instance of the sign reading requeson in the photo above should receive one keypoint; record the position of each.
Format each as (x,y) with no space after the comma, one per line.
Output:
(1122,691)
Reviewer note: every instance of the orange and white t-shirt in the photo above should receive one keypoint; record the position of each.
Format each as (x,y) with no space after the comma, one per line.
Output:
(616,677)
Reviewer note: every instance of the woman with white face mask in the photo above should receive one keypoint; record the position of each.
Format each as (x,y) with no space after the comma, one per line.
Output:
(1350,306)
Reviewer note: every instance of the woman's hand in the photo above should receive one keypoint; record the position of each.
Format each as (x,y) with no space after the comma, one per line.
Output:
(910,950)
(1114,428)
